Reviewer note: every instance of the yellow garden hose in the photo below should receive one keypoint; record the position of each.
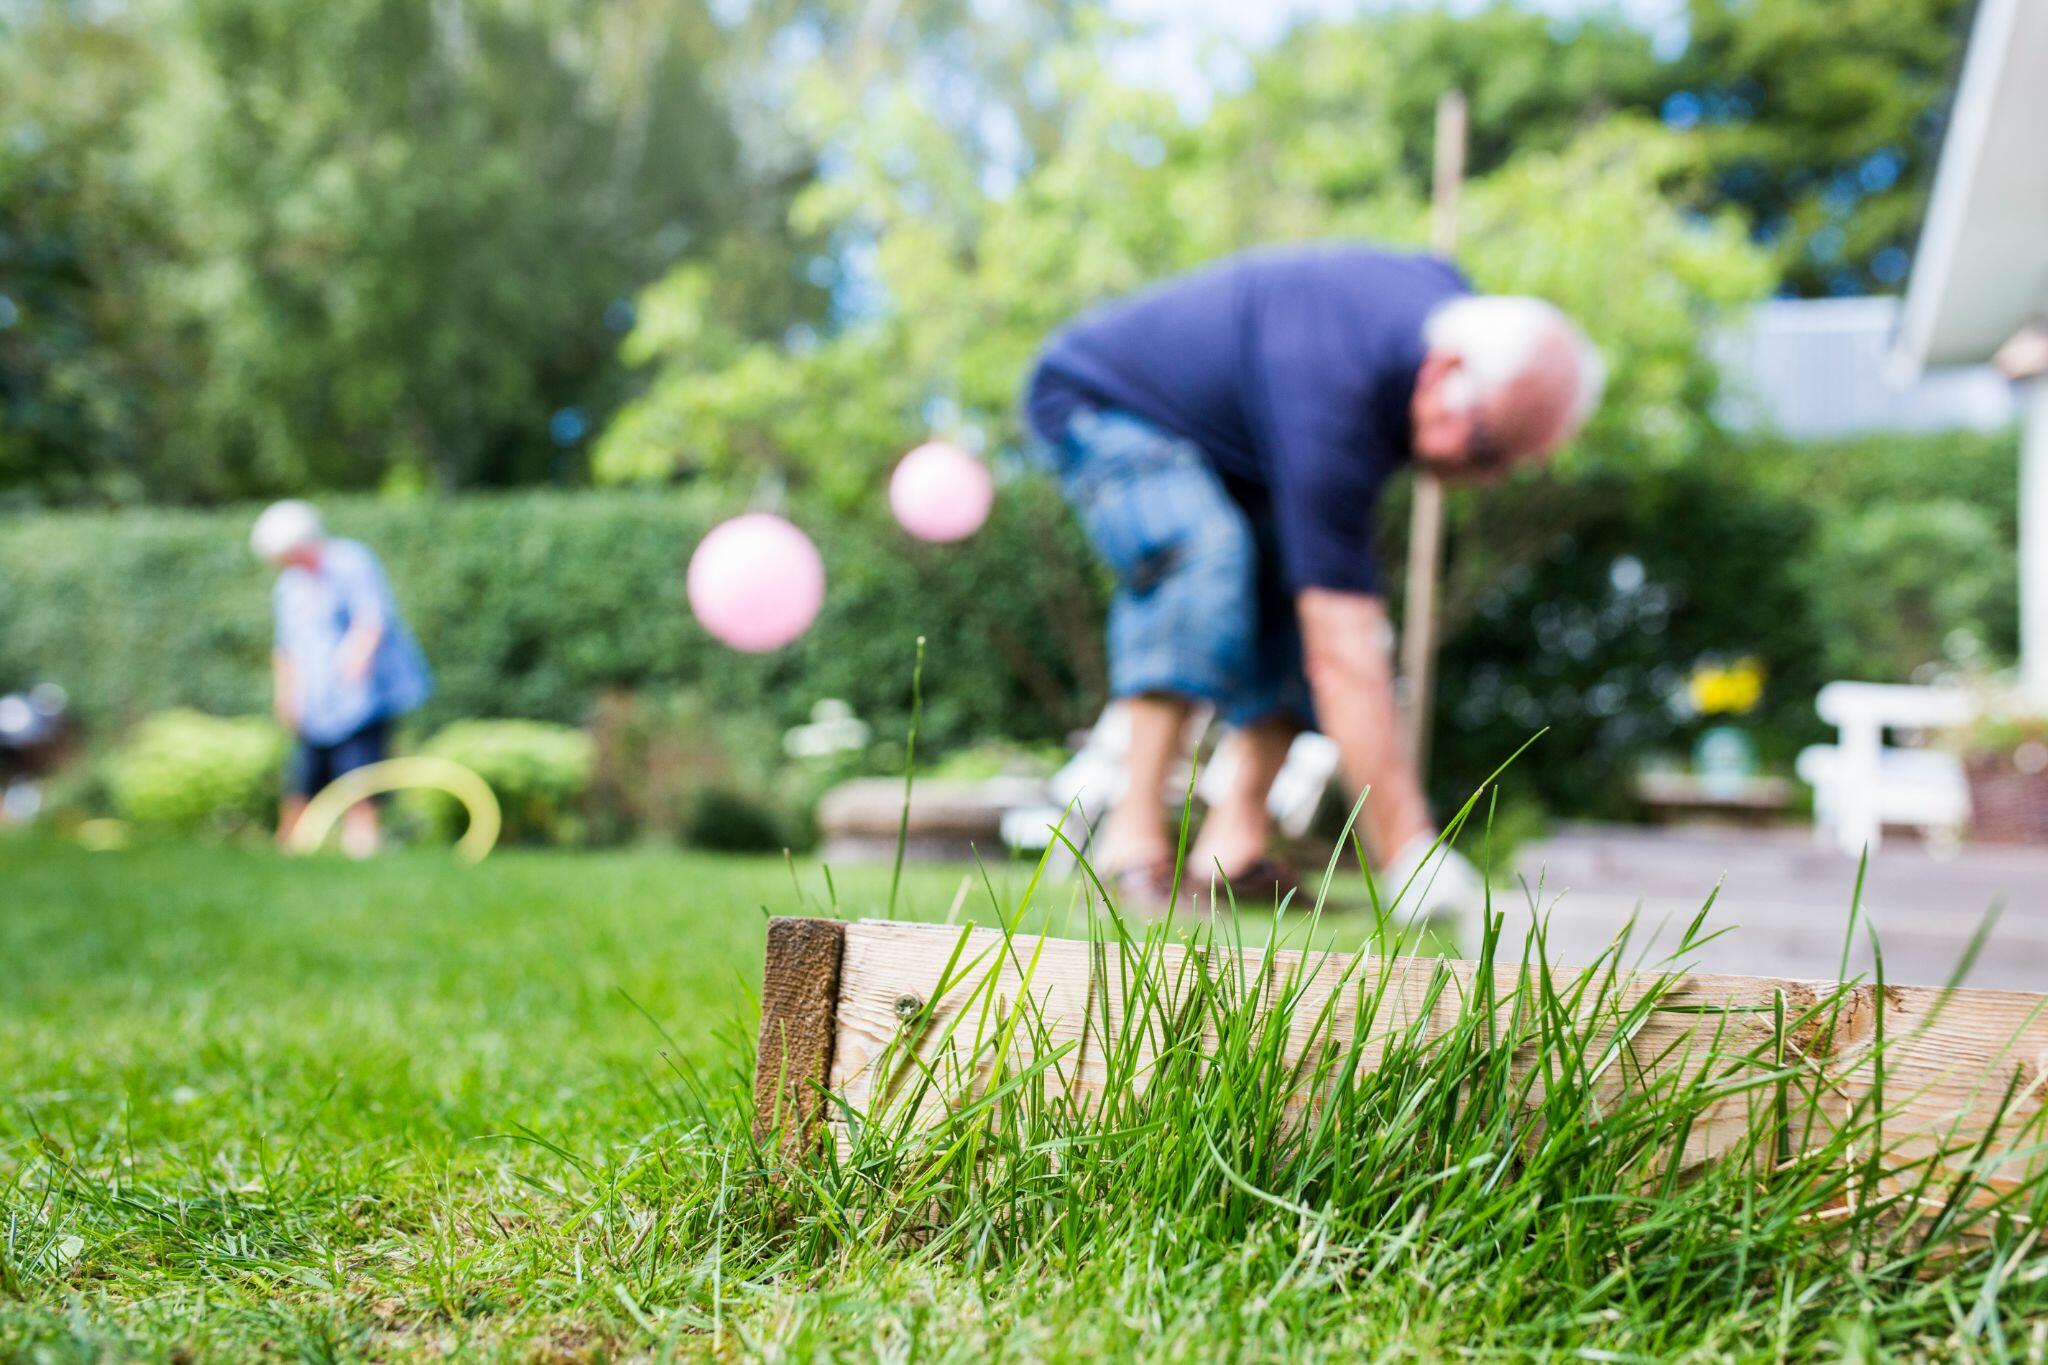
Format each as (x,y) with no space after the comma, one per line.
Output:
(324,811)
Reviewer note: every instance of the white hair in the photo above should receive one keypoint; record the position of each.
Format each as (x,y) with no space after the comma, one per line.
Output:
(284,527)
(1496,336)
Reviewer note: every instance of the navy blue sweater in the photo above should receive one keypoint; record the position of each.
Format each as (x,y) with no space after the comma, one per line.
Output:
(1290,367)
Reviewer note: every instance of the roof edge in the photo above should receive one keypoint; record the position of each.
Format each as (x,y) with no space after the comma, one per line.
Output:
(1955,176)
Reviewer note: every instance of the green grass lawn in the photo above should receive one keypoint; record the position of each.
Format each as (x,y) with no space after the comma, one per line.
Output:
(261,1105)
(263,1108)
(254,1105)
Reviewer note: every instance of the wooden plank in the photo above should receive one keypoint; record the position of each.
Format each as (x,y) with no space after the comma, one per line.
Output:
(1081,993)
(800,982)
(947,995)
(928,983)
(1951,1061)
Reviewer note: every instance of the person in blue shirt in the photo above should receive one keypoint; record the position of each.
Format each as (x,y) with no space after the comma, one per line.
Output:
(1224,438)
(344,663)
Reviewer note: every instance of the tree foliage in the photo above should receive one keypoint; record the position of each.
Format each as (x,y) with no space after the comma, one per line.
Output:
(1531,82)
(969,282)
(246,247)
(74,230)
(374,239)
(1822,122)
(407,267)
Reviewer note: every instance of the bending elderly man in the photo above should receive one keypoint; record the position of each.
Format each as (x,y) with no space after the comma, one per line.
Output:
(1224,438)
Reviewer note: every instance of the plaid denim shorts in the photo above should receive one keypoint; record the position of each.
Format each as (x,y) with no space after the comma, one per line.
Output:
(1200,609)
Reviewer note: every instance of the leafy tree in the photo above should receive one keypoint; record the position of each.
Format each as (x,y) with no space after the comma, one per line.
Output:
(73,233)
(289,245)
(970,63)
(1531,82)
(1822,121)
(400,227)
(249,247)
(971,282)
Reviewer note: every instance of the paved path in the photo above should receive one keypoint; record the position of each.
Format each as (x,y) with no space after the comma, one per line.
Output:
(1789,901)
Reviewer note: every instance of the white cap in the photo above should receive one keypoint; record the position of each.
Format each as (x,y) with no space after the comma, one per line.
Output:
(284,527)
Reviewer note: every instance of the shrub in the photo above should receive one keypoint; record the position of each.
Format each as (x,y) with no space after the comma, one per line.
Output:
(1910,584)
(1577,601)
(670,768)
(530,605)
(731,819)
(187,771)
(1579,606)
(539,773)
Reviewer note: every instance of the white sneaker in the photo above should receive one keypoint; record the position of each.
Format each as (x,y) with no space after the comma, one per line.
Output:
(1431,882)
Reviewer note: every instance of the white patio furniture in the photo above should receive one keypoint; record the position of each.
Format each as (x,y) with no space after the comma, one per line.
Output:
(1079,795)
(1298,788)
(1861,784)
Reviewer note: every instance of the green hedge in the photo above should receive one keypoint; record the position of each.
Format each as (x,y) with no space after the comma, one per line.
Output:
(1576,601)
(529,604)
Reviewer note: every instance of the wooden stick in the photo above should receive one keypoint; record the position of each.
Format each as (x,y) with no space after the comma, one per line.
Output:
(1426,519)
(799,994)
(1418,618)
(1449,172)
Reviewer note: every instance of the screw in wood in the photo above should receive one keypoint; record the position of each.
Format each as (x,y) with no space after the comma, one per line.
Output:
(907,1007)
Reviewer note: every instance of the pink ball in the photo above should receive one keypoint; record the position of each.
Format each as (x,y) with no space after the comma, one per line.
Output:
(940,492)
(756,582)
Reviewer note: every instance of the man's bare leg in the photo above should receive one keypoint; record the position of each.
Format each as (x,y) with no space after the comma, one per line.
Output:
(1135,836)
(288,812)
(359,837)
(1235,831)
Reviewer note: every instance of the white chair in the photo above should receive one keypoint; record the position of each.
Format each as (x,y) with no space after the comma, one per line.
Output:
(1297,791)
(1860,784)
(1079,795)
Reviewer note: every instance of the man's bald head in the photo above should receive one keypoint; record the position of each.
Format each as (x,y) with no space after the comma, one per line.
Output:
(1504,380)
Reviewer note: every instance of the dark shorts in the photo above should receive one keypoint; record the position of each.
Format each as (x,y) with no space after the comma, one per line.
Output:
(313,766)
(1200,609)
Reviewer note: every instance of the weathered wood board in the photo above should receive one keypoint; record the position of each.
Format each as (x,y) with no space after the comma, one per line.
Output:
(1951,1060)
(799,994)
